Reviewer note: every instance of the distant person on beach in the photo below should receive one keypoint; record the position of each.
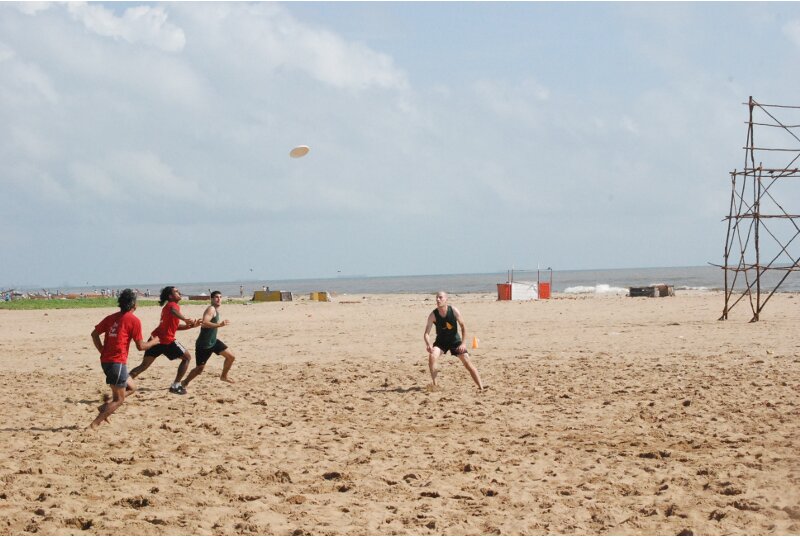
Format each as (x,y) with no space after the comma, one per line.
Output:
(446,318)
(119,329)
(208,344)
(171,317)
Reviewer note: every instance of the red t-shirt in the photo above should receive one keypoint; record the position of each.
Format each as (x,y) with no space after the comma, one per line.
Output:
(120,329)
(165,332)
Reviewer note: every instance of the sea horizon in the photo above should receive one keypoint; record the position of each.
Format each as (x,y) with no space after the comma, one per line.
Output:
(578,281)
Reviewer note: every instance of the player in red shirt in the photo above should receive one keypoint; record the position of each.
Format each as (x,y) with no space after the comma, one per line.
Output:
(171,318)
(120,329)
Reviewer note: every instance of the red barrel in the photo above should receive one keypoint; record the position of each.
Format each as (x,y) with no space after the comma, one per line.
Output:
(544,290)
(503,291)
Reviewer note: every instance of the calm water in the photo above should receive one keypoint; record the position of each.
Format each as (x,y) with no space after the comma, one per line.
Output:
(566,281)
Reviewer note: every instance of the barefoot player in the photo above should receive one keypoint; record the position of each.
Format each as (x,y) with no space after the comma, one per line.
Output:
(208,344)
(120,329)
(447,339)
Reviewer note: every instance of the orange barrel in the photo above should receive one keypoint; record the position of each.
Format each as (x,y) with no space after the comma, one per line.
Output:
(503,291)
(544,290)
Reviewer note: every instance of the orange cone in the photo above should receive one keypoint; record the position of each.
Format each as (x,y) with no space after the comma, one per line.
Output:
(474,342)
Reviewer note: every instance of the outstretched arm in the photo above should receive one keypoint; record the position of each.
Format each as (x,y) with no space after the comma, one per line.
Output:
(189,323)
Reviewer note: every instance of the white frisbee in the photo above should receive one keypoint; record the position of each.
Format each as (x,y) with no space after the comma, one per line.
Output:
(299,151)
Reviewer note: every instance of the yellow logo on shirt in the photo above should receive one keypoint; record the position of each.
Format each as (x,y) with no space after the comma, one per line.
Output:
(449,326)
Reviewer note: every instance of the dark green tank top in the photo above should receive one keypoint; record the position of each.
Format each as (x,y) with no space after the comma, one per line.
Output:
(447,327)
(208,336)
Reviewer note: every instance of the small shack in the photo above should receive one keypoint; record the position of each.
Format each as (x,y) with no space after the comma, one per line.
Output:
(272,296)
(320,296)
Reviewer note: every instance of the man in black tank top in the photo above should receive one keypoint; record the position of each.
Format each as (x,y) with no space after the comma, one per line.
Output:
(447,318)
(208,343)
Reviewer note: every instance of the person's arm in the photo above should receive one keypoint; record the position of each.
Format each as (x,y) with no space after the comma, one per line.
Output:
(96,340)
(208,315)
(189,323)
(149,344)
(426,335)
(463,347)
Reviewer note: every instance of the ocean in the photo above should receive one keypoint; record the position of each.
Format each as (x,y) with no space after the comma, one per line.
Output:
(606,281)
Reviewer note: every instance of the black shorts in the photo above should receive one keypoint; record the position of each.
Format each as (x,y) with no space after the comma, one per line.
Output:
(116,374)
(171,350)
(449,346)
(202,355)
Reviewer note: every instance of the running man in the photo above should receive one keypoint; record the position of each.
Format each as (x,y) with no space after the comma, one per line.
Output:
(447,339)
(171,317)
(207,342)
(120,329)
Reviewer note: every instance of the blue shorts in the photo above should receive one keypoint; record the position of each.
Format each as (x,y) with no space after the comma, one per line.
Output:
(450,346)
(171,350)
(116,374)
(202,355)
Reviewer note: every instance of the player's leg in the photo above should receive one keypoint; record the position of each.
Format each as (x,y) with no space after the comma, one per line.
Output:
(471,368)
(193,373)
(432,366)
(226,367)
(147,361)
(110,407)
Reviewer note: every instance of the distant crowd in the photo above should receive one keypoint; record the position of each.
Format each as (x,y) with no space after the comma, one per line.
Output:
(11,294)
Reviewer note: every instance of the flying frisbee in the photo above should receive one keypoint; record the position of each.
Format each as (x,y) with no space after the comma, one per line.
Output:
(299,151)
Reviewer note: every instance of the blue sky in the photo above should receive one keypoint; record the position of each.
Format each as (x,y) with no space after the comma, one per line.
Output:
(148,142)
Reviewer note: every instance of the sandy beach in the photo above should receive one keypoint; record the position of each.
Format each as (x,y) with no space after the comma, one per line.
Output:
(603,415)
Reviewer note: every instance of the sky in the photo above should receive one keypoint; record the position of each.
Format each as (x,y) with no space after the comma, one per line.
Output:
(149,142)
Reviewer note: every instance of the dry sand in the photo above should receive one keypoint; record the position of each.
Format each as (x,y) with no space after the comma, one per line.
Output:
(604,415)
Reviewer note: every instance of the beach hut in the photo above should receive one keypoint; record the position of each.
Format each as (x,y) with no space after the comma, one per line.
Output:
(267,296)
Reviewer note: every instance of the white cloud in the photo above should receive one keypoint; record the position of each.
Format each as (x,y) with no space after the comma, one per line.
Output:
(265,36)
(629,125)
(28,141)
(24,79)
(6,52)
(136,174)
(140,24)
(792,30)
(32,8)
(521,102)
(343,64)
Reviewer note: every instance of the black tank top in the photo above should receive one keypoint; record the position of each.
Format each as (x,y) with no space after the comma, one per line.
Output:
(446,327)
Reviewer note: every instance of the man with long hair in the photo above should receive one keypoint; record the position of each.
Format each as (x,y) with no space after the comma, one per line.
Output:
(120,329)
(171,318)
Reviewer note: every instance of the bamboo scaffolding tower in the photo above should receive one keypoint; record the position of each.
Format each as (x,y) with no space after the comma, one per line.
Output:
(760,230)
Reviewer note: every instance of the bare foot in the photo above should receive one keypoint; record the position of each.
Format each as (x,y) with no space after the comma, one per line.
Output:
(106,399)
(226,379)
